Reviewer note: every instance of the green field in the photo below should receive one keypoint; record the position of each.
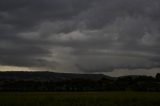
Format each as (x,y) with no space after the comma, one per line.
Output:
(80,99)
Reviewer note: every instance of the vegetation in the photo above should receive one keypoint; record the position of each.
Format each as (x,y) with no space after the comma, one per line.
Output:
(24,91)
(80,99)
(128,83)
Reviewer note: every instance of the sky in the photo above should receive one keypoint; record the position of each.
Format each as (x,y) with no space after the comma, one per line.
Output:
(115,37)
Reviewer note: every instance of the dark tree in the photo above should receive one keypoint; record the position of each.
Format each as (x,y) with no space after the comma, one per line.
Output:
(158,76)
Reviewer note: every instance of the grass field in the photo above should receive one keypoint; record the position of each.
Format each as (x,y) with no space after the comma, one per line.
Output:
(80,99)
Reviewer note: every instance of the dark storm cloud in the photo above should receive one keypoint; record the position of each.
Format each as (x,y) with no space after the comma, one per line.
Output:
(86,35)
(18,16)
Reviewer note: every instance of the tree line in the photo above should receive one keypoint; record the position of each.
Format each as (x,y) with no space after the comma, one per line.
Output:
(127,83)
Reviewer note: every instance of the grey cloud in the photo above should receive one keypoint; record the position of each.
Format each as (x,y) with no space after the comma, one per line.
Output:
(92,35)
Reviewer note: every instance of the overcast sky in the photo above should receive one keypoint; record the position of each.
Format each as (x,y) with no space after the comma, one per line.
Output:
(86,36)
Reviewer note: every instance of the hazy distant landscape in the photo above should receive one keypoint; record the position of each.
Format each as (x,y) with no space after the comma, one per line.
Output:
(50,81)
(68,89)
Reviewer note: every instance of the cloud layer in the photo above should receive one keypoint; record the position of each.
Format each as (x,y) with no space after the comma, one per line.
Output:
(80,35)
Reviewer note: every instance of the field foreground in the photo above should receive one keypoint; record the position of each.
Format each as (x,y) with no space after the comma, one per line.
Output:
(80,99)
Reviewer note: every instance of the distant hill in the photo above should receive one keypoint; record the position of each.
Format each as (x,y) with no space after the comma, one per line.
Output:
(50,81)
(50,76)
